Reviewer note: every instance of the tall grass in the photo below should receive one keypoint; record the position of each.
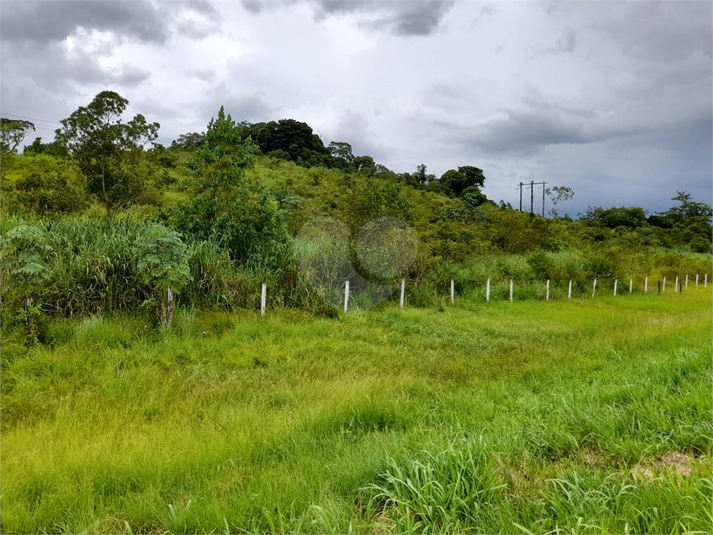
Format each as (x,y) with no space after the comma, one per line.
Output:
(504,417)
(94,270)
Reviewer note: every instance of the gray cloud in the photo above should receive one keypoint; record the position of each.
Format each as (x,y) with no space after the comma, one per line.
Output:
(54,70)
(521,132)
(253,6)
(354,129)
(53,21)
(663,31)
(251,106)
(417,17)
(404,18)
(485,14)
(43,21)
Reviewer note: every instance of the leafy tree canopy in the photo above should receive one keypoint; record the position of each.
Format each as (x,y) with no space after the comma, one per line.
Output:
(190,140)
(630,217)
(12,132)
(227,206)
(106,149)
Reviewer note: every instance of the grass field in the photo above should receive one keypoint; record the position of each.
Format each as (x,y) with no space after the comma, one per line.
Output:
(582,416)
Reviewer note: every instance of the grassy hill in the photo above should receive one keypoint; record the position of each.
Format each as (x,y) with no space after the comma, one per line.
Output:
(589,416)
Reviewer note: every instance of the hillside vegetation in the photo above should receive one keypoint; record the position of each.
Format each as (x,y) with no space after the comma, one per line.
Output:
(234,199)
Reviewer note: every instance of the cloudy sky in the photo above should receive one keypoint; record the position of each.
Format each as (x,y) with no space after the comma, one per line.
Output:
(612,99)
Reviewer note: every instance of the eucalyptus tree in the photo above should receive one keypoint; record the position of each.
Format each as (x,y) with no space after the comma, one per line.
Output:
(107,150)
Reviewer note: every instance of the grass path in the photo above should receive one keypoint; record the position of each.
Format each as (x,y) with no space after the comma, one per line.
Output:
(582,416)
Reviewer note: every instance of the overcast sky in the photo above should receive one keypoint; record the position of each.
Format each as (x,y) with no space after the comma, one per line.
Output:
(612,99)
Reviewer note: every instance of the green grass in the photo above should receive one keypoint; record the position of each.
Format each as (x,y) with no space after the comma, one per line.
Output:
(500,417)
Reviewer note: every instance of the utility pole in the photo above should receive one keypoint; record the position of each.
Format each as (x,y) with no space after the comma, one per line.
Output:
(532,185)
(521,196)
(532,196)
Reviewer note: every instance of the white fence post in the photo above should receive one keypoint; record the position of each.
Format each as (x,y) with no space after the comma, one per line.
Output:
(346,295)
(403,288)
(646,285)
(675,285)
(547,295)
(487,291)
(631,285)
(615,281)
(594,288)
(569,292)
(511,290)
(664,284)
(696,281)
(453,291)
(686,282)
(263,297)
(705,280)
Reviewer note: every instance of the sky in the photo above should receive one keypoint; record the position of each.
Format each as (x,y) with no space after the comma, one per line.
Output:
(612,99)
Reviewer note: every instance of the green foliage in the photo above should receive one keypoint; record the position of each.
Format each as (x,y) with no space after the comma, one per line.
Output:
(24,273)
(437,492)
(163,264)
(541,265)
(46,187)
(12,132)
(229,208)
(456,182)
(163,257)
(24,253)
(369,199)
(631,217)
(106,150)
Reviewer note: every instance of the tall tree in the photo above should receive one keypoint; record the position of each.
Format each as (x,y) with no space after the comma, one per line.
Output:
(229,207)
(473,176)
(106,150)
(12,132)
(558,194)
(421,175)
(466,177)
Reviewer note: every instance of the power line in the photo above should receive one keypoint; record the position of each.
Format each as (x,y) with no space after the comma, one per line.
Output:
(33,119)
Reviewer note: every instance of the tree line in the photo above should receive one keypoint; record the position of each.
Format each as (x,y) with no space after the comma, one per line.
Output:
(239,193)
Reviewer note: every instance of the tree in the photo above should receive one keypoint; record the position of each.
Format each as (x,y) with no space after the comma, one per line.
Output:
(188,141)
(421,176)
(163,264)
(630,217)
(558,194)
(287,134)
(12,132)
(473,176)
(341,150)
(106,150)
(227,206)
(455,182)
(364,164)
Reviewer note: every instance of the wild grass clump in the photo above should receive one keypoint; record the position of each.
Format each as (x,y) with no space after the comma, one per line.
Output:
(439,490)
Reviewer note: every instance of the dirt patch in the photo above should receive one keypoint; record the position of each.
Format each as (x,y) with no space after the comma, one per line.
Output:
(676,462)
